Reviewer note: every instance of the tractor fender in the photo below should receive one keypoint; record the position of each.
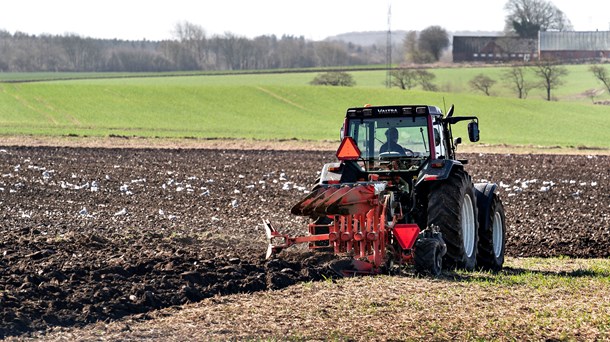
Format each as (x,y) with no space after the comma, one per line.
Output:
(436,170)
(484,193)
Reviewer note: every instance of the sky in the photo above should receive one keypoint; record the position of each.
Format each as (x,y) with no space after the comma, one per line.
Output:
(313,19)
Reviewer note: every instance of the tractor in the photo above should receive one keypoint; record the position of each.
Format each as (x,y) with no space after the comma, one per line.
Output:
(398,195)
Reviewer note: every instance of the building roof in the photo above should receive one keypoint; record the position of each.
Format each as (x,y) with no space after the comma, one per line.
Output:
(575,41)
(493,44)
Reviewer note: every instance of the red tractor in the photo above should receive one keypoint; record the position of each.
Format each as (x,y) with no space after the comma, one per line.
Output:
(398,195)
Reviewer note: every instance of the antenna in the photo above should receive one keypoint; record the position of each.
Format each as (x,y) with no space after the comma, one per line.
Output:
(388,80)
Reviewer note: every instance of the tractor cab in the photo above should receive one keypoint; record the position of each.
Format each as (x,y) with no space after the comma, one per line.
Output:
(403,136)
(396,133)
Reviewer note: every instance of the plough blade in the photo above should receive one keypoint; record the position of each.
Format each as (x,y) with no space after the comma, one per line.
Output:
(322,206)
(285,240)
(358,199)
(352,267)
(306,206)
(273,234)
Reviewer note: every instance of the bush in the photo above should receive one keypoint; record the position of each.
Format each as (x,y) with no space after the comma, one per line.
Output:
(334,79)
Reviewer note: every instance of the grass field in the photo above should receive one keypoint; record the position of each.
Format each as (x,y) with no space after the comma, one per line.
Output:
(284,106)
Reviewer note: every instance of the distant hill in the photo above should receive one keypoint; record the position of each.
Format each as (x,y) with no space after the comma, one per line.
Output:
(379,38)
(369,38)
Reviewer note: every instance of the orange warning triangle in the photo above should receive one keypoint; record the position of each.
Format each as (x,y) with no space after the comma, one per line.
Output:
(348,150)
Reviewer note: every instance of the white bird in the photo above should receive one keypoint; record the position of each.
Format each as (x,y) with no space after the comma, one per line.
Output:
(121,212)
(234,203)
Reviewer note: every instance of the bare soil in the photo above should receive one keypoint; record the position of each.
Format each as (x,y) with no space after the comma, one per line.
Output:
(96,234)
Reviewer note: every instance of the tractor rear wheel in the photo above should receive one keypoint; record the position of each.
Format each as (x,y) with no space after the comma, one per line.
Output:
(492,237)
(452,207)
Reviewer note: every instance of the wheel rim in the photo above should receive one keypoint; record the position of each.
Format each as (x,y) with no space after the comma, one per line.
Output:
(468,226)
(438,260)
(497,235)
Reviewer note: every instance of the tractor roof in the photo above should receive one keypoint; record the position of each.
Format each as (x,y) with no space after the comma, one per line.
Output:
(392,111)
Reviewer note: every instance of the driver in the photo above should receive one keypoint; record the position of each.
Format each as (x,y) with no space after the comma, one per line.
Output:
(392,142)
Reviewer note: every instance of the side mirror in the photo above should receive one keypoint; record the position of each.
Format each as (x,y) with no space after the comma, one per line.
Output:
(342,132)
(473,131)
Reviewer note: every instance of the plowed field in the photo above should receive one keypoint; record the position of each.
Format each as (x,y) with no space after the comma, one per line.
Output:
(90,234)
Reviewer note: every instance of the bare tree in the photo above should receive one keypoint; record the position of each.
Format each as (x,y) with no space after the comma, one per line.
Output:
(601,74)
(425,78)
(433,40)
(515,79)
(550,74)
(526,17)
(404,78)
(482,82)
(592,93)
(410,46)
(331,53)
(193,39)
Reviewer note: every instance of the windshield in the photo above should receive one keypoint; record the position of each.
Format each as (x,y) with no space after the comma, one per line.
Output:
(390,137)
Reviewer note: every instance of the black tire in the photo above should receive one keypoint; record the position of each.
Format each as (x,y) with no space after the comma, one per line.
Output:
(492,237)
(428,257)
(452,208)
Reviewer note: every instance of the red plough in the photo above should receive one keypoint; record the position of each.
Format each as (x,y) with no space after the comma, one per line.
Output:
(358,225)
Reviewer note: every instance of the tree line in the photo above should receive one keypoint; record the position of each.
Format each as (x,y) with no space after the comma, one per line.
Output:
(191,50)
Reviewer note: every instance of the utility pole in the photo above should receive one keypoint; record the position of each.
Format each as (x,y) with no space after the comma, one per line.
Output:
(388,80)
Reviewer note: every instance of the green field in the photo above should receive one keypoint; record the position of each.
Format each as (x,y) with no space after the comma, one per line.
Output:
(285,106)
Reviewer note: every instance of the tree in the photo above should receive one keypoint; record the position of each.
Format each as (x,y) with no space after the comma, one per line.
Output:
(409,44)
(601,74)
(592,93)
(526,17)
(334,79)
(515,79)
(550,73)
(194,40)
(331,53)
(433,40)
(425,78)
(482,82)
(404,78)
